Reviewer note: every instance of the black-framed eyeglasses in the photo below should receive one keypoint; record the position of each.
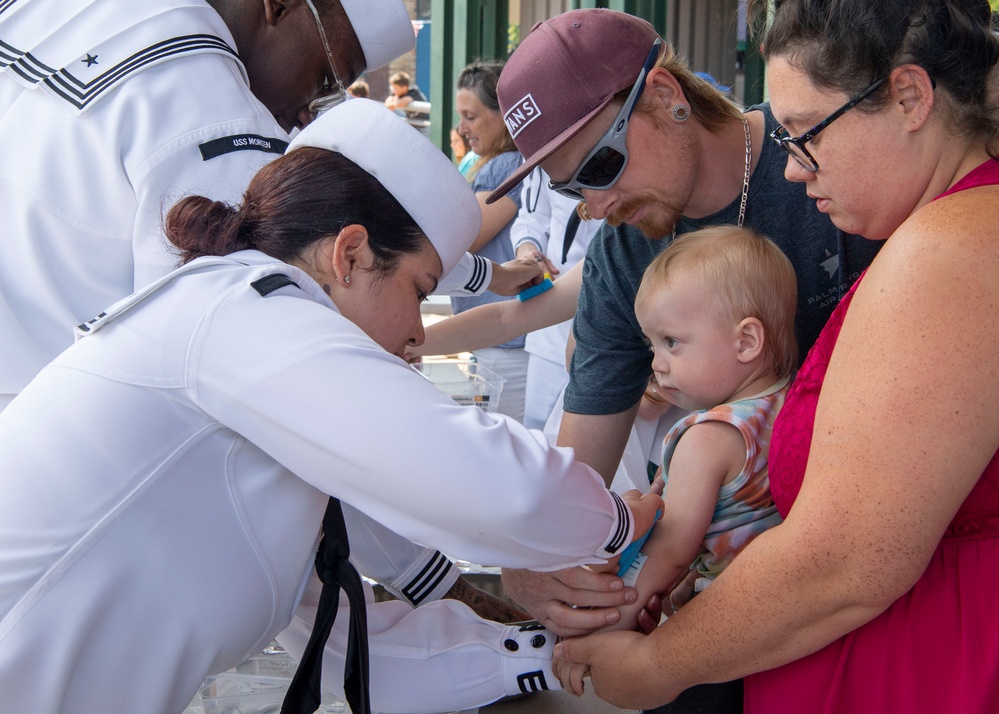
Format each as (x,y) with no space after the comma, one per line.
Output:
(796,146)
(333,91)
(605,163)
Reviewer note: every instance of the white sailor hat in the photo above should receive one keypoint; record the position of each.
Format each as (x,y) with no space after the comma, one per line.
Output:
(413,170)
(382,27)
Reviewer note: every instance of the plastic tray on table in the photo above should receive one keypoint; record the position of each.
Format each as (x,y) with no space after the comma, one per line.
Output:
(465,381)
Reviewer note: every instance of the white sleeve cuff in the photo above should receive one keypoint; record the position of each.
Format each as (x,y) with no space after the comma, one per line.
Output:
(527,664)
(529,239)
(623,532)
(471,276)
(426,580)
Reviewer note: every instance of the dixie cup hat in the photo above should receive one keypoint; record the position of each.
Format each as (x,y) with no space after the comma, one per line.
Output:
(418,174)
(562,75)
(383,29)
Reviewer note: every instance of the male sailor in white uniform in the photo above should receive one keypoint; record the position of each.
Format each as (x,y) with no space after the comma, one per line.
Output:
(114,109)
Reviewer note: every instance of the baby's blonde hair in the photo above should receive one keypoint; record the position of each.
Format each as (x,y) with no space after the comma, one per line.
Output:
(753,278)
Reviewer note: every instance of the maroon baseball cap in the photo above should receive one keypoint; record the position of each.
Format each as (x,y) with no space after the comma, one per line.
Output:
(562,75)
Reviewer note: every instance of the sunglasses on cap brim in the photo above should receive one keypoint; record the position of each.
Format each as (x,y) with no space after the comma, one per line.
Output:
(605,163)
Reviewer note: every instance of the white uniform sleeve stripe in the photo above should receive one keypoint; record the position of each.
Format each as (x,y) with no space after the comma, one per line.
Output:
(478,275)
(473,281)
(424,583)
(431,586)
(624,525)
(429,570)
(532,682)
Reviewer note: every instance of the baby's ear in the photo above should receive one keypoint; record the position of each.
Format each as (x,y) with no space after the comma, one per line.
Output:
(750,339)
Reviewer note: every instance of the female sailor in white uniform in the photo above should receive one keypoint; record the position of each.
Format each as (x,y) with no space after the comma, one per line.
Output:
(163,481)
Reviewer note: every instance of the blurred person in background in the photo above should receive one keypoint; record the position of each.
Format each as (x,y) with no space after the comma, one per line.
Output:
(482,124)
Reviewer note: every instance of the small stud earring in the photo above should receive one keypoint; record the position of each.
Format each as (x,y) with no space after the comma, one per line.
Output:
(346,280)
(681,112)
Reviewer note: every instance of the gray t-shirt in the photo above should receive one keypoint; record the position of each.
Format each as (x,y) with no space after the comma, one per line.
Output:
(611,364)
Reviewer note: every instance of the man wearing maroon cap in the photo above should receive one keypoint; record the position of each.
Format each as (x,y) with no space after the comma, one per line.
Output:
(657,152)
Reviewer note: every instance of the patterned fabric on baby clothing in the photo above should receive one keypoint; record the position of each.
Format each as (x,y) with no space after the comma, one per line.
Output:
(745,507)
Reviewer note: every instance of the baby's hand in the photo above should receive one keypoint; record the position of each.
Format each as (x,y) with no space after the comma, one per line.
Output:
(658,484)
(654,404)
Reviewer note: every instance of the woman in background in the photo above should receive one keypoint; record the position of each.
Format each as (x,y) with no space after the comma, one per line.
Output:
(482,124)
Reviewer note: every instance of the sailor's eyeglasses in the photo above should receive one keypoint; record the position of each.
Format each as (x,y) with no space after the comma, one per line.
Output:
(333,91)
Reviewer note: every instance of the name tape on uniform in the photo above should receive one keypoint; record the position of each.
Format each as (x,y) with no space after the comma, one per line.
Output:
(241,142)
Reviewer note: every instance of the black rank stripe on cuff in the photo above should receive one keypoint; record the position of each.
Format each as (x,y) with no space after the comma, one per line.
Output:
(429,578)
(623,525)
(478,274)
(532,682)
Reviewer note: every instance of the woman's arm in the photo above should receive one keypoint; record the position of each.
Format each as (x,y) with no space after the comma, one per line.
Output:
(494,217)
(904,428)
(477,485)
(495,323)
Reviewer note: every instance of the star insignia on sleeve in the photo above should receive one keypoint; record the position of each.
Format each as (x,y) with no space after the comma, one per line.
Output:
(90,59)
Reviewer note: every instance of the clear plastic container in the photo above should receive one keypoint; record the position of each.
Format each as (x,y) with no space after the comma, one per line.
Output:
(465,381)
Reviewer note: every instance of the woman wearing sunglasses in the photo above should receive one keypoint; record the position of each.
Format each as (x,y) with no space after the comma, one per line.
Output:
(877,593)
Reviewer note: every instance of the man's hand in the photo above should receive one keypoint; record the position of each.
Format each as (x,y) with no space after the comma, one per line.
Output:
(574,601)
(529,252)
(486,606)
(511,277)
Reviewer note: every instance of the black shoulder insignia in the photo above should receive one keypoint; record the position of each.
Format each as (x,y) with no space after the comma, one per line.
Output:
(268,284)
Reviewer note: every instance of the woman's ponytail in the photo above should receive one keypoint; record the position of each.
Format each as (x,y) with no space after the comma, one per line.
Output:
(292,203)
(199,226)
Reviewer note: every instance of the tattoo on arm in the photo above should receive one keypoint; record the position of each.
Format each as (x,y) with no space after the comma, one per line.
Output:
(486,605)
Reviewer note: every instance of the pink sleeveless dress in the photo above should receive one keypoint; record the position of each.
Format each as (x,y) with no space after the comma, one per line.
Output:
(936,649)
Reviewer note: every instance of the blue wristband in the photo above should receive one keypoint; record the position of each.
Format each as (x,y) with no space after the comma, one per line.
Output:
(629,554)
(535,290)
